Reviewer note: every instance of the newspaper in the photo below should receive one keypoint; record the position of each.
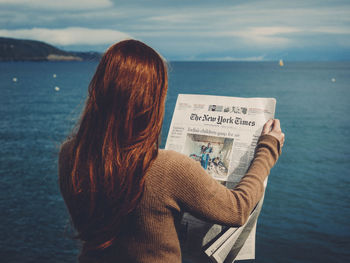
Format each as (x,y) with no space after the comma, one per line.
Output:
(220,133)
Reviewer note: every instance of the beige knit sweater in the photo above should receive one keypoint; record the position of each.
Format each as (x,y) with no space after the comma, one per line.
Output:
(175,184)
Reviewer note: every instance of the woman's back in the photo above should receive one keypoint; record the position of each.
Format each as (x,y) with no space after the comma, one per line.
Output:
(175,184)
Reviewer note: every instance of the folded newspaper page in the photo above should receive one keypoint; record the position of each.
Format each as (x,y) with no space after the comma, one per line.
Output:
(220,133)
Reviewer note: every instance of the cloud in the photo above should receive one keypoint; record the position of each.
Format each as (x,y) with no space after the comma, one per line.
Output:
(331,30)
(263,36)
(172,18)
(59,4)
(68,36)
(272,35)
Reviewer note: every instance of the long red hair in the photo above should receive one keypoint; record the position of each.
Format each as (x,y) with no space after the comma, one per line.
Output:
(116,140)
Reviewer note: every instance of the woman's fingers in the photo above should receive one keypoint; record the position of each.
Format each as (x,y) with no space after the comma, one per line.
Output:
(276,125)
(273,127)
(282,140)
(267,127)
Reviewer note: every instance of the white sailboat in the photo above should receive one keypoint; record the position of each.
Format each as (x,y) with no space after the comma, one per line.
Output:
(281,63)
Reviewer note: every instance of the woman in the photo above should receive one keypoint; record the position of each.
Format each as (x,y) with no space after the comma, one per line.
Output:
(124,195)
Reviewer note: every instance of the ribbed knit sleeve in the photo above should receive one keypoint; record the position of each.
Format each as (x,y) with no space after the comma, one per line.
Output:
(198,193)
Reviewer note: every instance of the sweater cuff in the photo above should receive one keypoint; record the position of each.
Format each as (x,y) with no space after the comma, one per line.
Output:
(270,142)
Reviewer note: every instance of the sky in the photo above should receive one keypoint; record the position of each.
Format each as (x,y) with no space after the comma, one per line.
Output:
(188,29)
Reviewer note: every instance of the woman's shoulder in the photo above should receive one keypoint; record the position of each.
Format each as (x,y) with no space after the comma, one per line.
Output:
(162,153)
(65,153)
(173,157)
(176,163)
(66,146)
(172,171)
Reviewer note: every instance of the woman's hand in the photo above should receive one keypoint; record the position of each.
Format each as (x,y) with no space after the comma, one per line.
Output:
(273,127)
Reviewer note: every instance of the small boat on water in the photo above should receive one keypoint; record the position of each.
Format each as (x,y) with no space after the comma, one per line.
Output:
(281,63)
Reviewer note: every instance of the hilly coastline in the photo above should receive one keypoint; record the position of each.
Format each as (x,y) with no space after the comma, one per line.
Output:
(31,50)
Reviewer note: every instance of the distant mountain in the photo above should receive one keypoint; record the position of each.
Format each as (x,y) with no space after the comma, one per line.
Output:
(87,55)
(31,50)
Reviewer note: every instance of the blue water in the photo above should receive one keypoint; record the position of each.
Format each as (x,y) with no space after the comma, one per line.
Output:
(306,213)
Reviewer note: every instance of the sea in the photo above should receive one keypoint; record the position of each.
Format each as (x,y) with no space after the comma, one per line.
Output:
(306,212)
